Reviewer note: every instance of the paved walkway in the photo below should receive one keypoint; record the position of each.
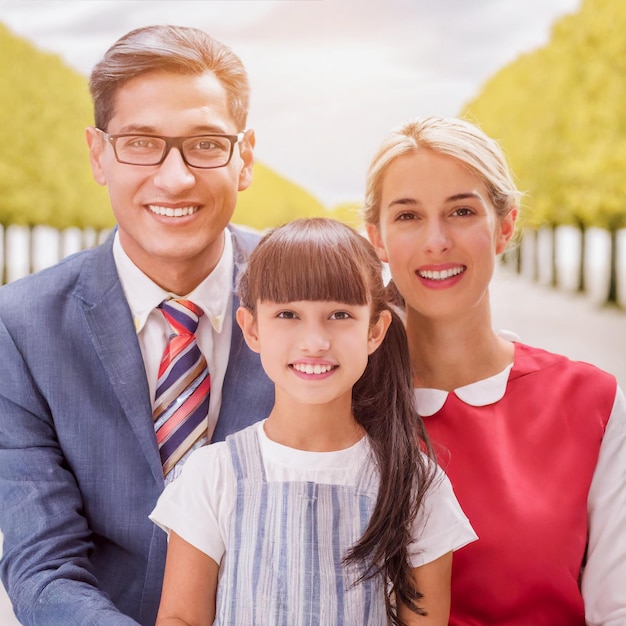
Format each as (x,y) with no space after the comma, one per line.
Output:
(562,322)
(555,320)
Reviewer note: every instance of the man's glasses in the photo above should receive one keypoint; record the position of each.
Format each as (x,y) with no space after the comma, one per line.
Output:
(202,151)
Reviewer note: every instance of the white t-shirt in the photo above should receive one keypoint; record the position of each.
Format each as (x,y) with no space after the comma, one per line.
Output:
(198,504)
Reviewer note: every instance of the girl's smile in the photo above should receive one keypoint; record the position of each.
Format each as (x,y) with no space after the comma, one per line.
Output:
(315,369)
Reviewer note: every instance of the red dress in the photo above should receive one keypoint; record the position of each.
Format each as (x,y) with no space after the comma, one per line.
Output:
(521,469)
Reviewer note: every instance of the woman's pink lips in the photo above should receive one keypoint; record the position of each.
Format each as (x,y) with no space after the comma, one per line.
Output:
(436,281)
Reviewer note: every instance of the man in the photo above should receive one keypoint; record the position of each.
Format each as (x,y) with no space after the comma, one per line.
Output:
(83,384)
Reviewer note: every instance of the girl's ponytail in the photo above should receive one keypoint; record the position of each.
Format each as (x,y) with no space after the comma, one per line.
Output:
(383,403)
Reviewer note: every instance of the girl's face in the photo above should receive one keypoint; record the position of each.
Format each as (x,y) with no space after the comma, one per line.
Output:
(440,234)
(314,352)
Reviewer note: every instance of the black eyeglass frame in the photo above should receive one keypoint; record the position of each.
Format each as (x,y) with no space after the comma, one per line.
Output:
(174,142)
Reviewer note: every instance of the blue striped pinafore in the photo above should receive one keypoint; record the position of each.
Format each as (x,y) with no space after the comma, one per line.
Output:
(286,541)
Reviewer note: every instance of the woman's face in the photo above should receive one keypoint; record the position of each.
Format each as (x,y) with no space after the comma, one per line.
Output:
(439,233)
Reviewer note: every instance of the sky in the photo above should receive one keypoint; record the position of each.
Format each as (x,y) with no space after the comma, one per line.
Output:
(329,78)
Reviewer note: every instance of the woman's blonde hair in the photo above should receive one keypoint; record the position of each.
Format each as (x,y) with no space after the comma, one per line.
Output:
(453,137)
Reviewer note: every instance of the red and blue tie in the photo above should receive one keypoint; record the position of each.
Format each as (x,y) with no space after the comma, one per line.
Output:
(181,403)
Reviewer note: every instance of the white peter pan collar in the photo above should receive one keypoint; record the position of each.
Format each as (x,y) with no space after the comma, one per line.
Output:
(480,393)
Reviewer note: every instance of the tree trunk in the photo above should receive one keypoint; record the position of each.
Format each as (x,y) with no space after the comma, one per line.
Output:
(582,286)
(518,258)
(611,297)
(535,259)
(31,249)
(5,266)
(554,272)
(60,245)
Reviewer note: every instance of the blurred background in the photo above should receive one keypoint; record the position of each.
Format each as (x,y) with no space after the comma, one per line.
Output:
(330,78)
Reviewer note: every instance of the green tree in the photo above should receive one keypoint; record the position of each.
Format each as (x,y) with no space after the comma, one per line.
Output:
(559,113)
(44,170)
(272,200)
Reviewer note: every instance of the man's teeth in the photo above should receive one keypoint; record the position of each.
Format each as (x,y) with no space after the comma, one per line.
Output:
(170,212)
(307,368)
(441,274)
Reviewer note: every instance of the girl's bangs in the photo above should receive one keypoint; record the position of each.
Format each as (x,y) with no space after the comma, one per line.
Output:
(314,271)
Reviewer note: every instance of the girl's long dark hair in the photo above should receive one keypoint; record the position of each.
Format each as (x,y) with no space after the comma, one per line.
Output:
(318,259)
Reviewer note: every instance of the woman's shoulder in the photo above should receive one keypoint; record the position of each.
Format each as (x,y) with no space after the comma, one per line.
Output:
(531,359)
(531,367)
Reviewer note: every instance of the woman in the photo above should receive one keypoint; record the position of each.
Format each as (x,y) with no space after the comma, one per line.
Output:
(534,444)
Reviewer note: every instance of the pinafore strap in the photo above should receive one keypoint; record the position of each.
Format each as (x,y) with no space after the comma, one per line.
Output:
(283,562)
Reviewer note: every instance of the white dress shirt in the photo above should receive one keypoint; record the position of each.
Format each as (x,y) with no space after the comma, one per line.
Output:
(213,295)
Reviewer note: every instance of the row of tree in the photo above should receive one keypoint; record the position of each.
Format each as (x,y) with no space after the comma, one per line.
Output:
(560,114)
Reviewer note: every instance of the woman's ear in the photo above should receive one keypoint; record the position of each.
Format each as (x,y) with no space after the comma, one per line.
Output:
(505,230)
(376,240)
(248,325)
(378,331)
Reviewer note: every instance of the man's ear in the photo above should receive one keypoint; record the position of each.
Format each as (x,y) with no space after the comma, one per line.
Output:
(373,235)
(94,143)
(378,331)
(505,230)
(246,150)
(248,325)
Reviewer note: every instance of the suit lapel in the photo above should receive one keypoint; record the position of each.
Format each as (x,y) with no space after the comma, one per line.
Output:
(114,339)
(247,394)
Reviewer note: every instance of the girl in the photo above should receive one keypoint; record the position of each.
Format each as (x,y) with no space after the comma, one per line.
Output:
(328,512)
(534,444)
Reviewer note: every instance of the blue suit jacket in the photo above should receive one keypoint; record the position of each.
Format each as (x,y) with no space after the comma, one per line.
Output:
(79,465)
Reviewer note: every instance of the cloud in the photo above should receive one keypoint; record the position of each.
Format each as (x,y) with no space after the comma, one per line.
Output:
(330,77)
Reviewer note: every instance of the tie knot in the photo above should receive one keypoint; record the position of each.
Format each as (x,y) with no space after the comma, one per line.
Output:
(182,315)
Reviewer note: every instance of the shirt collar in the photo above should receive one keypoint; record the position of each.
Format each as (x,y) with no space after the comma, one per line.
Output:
(212,295)
(480,393)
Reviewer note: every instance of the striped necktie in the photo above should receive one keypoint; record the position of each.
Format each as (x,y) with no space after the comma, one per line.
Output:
(181,403)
